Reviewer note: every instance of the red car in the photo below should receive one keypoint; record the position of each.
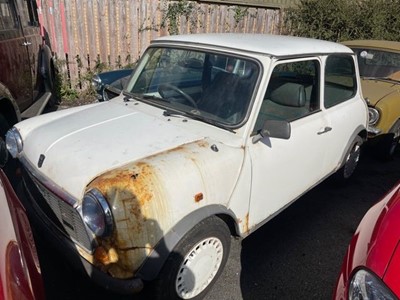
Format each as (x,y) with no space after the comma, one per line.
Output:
(20,274)
(371,267)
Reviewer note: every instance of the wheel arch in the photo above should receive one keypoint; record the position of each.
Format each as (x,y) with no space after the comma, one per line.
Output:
(48,72)
(8,106)
(47,64)
(360,132)
(155,261)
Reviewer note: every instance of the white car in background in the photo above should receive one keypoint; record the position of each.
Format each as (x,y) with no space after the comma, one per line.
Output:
(213,136)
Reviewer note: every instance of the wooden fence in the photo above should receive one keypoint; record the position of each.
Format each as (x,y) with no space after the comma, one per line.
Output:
(94,35)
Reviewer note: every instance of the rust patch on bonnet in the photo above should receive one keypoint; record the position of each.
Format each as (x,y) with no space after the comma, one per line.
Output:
(203,144)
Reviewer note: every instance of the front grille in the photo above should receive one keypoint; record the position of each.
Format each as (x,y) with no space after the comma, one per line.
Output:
(65,217)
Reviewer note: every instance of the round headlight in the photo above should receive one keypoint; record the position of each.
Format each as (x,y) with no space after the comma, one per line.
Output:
(96,82)
(365,285)
(14,142)
(373,115)
(97,214)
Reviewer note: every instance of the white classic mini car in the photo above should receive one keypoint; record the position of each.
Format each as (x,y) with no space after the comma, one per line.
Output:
(213,136)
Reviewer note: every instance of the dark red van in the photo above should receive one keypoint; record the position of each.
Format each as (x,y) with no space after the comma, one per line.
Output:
(26,63)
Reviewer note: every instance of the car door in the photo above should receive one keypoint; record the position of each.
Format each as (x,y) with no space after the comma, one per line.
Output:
(343,105)
(283,169)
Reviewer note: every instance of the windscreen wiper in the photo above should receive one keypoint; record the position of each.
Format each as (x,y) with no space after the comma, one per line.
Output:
(196,116)
(129,96)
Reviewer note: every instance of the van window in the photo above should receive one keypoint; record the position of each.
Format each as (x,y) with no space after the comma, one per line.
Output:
(8,18)
(29,11)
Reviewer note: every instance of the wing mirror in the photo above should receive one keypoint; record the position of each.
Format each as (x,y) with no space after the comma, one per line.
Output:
(279,129)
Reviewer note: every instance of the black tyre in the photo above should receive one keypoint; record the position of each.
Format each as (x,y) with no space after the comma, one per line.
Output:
(8,164)
(195,263)
(351,160)
(393,147)
(3,151)
(4,126)
(388,147)
(48,73)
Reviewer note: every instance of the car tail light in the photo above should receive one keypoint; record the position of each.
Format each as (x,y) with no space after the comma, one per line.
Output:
(17,285)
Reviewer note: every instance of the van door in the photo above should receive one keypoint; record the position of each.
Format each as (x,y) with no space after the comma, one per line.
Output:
(16,51)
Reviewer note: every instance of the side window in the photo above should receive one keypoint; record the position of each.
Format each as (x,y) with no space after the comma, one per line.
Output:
(340,79)
(8,19)
(292,93)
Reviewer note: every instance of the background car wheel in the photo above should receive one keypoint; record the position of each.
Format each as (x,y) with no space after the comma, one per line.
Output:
(351,160)
(393,146)
(388,149)
(196,262)
(4,126)
(48,73)
(7,163)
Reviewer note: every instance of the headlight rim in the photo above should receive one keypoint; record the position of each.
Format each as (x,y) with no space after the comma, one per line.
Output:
(14,142)
(374,115)
(107,216)
(96,82)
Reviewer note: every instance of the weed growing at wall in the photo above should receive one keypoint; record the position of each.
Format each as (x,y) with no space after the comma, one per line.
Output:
(173,11)
(80,90)
(240,13)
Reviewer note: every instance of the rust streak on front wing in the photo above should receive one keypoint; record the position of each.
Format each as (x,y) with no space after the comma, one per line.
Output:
(135,195)
(139,201)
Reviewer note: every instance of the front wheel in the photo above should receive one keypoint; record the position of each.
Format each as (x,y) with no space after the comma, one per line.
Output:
(196,262)
(388,147)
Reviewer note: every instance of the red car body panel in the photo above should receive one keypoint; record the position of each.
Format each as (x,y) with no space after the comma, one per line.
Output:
(375,245)
(20,273)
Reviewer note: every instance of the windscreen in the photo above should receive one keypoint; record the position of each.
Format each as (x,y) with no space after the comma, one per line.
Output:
(215,86)
(378,63)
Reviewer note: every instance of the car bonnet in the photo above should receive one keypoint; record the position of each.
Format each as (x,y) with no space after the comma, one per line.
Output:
(378,234)
(377,90)
(74,149)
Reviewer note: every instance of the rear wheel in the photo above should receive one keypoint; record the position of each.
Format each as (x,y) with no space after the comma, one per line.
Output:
(351,160)
(196,262)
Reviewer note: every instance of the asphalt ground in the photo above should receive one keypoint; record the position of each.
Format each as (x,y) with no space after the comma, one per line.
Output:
(297,255)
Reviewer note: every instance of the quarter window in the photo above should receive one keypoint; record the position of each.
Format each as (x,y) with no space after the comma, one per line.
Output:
(340,79)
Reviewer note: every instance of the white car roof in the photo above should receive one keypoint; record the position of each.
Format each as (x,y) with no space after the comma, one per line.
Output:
(275,45)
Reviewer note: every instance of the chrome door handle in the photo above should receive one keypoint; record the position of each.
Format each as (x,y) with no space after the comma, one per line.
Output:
(325,130)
